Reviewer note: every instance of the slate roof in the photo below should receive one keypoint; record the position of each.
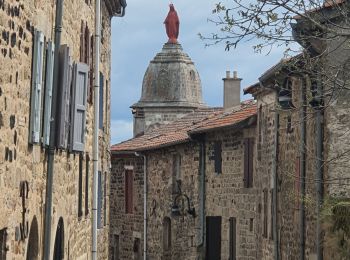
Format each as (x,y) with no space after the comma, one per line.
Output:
(177,132)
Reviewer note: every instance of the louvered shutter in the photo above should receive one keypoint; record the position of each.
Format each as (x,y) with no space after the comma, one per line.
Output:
(101,101)
(37,80)
(79,95)
(64,92)
(48,92)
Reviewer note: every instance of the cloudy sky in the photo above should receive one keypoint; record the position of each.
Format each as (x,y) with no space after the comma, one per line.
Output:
(137,37)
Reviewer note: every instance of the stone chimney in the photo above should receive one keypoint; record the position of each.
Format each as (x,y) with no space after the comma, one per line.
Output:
(232,90)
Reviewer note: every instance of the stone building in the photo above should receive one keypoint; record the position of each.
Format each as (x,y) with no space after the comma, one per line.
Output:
(26,44)
(195,176)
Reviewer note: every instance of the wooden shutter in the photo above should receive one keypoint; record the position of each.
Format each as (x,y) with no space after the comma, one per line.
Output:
(99,200)
(64,93)
(129,186)
(37,80)
(213,238)
(87,176)
(218,157)
(101,101)
(78,108)
(80,187)
(233,239)
(48,92)
(248,144)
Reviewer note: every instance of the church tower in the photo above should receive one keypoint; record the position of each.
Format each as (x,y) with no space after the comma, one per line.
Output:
(171,86)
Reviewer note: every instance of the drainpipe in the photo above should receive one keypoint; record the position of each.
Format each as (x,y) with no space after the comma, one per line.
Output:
(302,170)
(319,168)
(275,183)
(52,142)
(202,195)
(95,147)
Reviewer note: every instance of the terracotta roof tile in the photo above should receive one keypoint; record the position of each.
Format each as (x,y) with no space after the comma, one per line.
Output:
(202,120)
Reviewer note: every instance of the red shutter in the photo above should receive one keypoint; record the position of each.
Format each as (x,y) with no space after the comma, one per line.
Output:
(129,191)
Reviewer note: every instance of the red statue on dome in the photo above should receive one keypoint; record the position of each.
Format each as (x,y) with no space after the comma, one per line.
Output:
(172,23)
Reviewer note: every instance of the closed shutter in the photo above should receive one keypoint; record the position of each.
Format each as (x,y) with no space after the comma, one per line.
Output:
(218,157)
(64,93)
(101,101)
(99,200)
(37,80)
(48,92)
(248,144)
(79,95)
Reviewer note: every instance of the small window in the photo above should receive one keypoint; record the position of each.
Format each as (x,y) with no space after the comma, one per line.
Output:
(192,75)
(137,249)
(99,200)
(218,157)
(285,95)
(129,185)
(272,215)
(290,128)
(101,102)
(166,234)
(251,224)
(3,240)
(248,162)
(80,187)
(233,238)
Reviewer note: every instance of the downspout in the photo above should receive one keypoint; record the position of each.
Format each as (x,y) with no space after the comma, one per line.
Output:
(52,142)
(319,168)
(275,184)
(96,126)
(302,170)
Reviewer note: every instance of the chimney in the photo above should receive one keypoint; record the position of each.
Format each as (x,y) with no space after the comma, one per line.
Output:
(232,90)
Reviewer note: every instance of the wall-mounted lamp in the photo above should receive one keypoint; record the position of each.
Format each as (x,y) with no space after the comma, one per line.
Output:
(178,207)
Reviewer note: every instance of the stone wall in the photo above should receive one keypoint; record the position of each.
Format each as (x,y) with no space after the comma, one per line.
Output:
(20,161)
(226,195)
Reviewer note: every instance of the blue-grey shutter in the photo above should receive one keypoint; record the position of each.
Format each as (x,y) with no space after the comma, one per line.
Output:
(99,200)
(64,92)
(101,101)
(79,100)
(48,92)
(37,80)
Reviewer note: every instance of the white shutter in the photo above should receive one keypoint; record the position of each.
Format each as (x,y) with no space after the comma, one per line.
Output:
(48,92)
(37,80)
(78,115)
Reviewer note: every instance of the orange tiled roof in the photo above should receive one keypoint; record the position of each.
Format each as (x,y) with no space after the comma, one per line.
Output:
(177,132)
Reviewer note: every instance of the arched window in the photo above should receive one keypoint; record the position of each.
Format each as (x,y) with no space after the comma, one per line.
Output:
(166,234)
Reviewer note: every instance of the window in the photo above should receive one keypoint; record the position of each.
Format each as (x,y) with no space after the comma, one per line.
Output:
(248,162)
(85,43)
(3,247)
(166,234)
(272,215)
(218,157)
(251,224)
(129,185)
(285,95)
(64,95)
(137,249)
(87,176)
(176,173)
(265,195)
(233,239)
(78,108)
(37,81)
(80,187)
(115,248)
(289,125)
(99,200)
(48,92)
(101,102)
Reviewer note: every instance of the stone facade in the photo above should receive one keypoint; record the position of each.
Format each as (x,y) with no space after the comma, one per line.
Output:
(21,162)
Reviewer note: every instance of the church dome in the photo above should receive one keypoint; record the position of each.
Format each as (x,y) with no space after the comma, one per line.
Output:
(171,79)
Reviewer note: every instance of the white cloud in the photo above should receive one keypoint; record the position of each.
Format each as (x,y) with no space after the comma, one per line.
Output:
(121,130)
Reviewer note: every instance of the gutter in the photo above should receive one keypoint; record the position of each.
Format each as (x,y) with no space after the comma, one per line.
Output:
(52,141)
